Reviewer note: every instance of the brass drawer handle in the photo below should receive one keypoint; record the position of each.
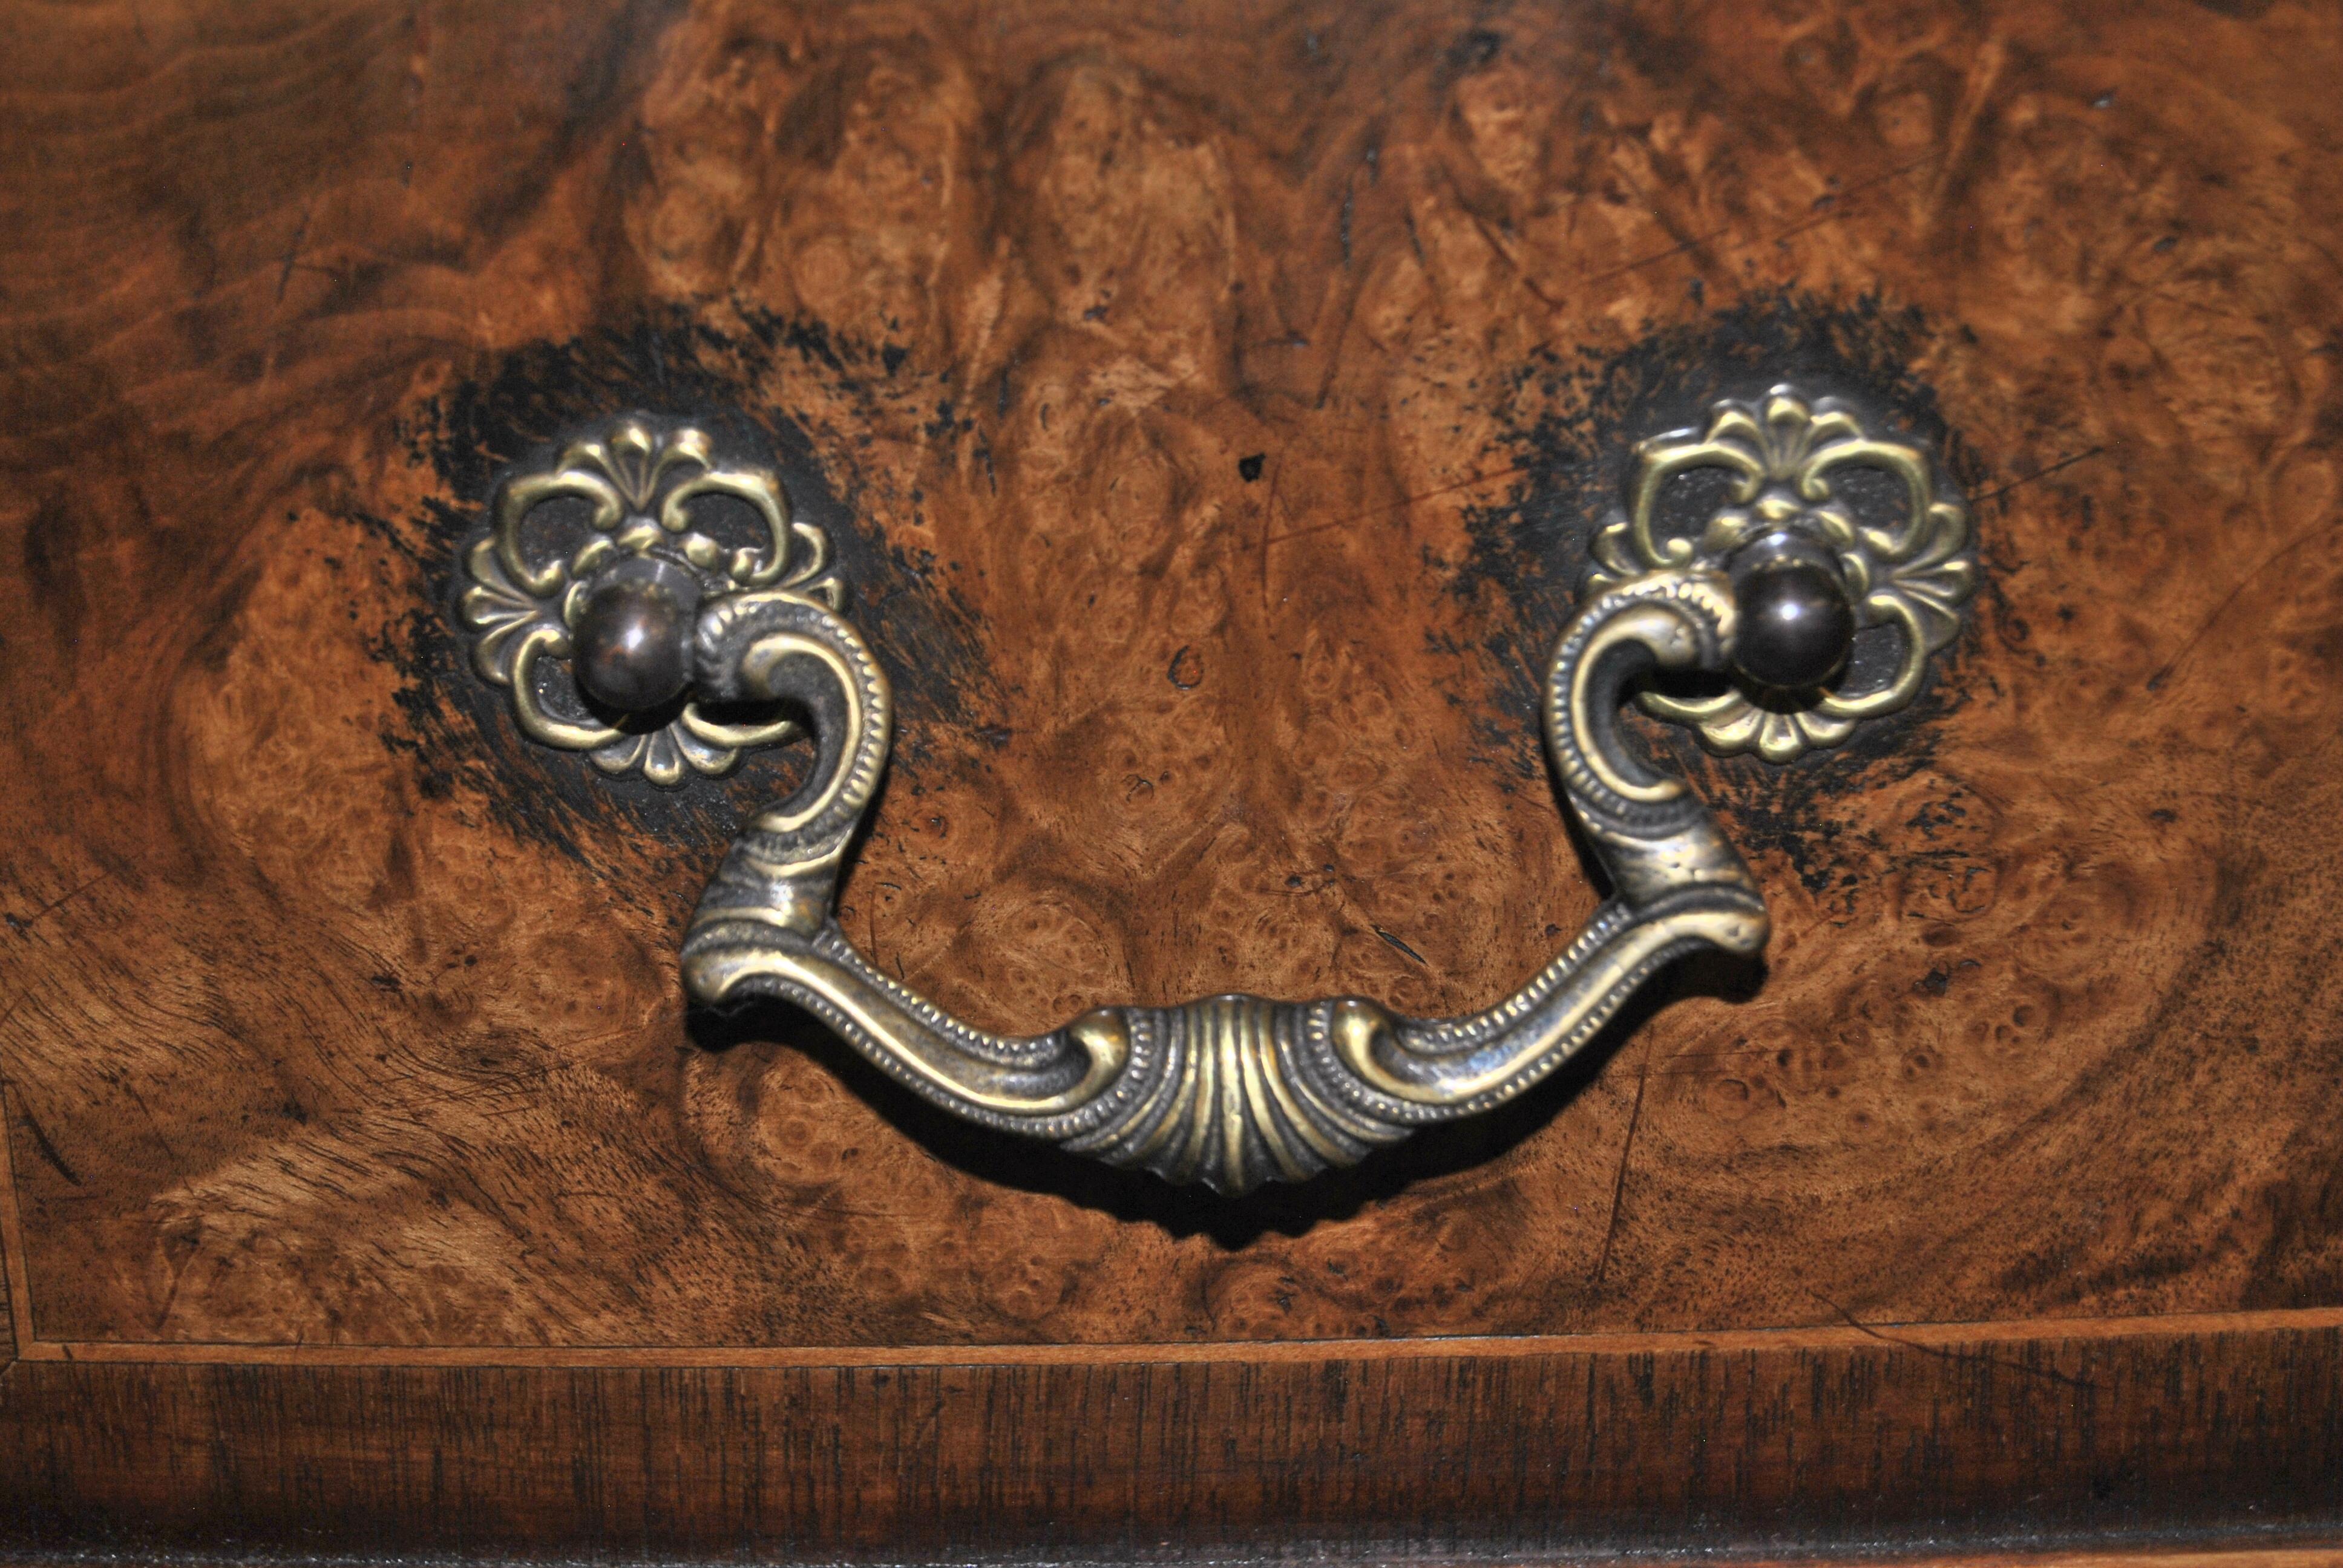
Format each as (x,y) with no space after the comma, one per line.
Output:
(1233,1090)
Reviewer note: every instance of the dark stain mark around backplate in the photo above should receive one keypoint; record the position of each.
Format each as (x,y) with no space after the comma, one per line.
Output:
(1573,422)
(459,731)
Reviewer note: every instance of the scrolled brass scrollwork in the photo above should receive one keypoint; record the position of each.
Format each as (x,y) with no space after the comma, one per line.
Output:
(662,629)
(1230,1090)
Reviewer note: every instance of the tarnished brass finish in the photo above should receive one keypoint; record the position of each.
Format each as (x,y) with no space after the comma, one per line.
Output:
(637,484)
(656,625)
(1784,451)
(1232,1090)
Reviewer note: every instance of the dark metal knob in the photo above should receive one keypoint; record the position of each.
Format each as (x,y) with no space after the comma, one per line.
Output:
(632,642)
(1797,625)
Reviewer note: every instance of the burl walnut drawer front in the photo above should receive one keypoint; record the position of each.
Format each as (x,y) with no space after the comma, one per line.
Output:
(1210,411)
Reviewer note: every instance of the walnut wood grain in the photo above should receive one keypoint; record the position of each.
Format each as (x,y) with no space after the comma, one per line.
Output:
(1213,403)
(1803,1450)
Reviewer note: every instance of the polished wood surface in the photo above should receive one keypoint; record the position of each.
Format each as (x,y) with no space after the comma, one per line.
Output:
(1211,403)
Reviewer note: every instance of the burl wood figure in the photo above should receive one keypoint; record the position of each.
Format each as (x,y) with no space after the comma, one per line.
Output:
(1212,414)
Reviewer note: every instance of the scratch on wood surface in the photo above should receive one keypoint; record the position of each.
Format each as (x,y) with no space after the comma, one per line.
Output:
(1469,482)
(293,253)
(47,1151)
(1394,941)
(1619,1180)
(1943,1353)
(2156,681)
(1837,211)
(2039,474)
(20,925)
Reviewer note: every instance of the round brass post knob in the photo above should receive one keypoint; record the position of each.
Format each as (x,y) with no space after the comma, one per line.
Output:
(632,642)
(1797,625)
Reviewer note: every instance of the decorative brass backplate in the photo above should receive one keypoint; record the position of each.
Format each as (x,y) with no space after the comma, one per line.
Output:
(1784,452)
(637,486)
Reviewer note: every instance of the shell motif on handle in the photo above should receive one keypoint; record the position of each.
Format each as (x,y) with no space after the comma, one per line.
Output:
(1230,1090)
